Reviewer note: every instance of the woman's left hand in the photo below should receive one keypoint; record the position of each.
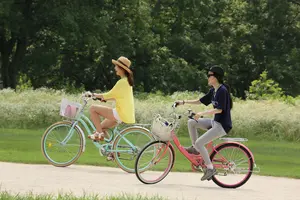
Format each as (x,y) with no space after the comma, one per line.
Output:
(100,96)
(198,115)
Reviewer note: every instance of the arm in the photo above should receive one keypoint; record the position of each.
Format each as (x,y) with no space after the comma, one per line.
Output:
(112,94)
(221,103)
(182,102)
(206,100)
(208,112)
(100,96)
(196,101)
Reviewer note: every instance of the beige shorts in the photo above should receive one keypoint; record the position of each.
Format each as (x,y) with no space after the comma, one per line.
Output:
(116,115)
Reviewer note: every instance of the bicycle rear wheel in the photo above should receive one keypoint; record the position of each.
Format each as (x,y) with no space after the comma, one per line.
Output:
(61,145)
(127,146)
(154,162)
(234,164)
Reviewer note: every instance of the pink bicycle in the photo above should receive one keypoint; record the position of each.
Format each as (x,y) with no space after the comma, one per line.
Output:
(233,161)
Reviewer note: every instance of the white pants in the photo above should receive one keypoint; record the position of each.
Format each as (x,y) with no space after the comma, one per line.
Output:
(116,115)
(214,130)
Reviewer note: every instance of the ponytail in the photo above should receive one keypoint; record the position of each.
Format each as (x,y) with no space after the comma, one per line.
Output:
(129,78)
(220,79)
(228,89)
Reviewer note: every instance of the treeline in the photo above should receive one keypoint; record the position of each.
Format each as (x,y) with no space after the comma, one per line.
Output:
(59,43)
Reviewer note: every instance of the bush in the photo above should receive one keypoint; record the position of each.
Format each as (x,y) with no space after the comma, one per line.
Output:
(264,88)
(267,119)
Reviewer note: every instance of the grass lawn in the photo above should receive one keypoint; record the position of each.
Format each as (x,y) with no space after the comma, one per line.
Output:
(274,158)
(29,196)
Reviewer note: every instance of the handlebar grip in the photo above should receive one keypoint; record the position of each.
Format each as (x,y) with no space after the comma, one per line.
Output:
(102,100)
(95,99)
(191,116)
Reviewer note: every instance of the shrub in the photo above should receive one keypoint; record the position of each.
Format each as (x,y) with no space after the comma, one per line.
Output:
(267,119)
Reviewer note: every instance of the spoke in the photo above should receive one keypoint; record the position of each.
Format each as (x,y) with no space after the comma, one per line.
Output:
(76,145)
(52,138)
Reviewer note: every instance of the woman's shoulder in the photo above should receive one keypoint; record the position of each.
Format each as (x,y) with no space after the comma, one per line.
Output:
(122,81)
(222,89)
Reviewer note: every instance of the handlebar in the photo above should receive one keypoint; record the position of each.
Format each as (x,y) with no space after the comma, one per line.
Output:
(93,97)
(191,114)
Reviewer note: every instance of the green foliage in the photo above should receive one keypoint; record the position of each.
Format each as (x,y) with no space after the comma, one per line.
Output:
(264,88)
(72,88)
(70,44)
(24,83)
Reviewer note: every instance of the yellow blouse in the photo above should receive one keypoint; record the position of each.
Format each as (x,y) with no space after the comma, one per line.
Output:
(123,94)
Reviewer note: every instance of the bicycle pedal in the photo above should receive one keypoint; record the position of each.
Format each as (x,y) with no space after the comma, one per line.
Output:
(110,159)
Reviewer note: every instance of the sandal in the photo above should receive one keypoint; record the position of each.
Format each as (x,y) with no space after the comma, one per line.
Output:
(97,136)
(111,156)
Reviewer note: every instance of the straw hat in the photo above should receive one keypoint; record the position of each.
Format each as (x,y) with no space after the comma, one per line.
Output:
(123,62)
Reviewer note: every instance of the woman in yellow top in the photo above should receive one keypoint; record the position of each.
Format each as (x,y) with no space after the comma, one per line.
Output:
(122,94)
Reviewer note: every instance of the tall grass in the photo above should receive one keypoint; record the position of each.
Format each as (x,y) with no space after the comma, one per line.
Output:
(271,120)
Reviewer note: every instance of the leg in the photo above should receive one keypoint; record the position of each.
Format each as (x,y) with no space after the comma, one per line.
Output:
(192,127)
(106,124)
(96,111)
(215,132)
(204,124)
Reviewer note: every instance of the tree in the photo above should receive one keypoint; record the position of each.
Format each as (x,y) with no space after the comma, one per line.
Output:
(264,88)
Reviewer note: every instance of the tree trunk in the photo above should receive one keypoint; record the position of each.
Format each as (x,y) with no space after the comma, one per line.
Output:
(11,60)
(4,69)
(17,59)
(6,47)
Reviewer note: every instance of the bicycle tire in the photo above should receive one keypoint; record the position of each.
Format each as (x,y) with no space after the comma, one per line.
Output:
(129,166)
(44,149)
(166,172)
(250,163)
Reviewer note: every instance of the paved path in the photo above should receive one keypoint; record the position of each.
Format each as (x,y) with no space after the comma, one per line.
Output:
(104,181)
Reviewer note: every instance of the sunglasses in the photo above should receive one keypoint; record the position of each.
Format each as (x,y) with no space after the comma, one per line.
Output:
(209,75)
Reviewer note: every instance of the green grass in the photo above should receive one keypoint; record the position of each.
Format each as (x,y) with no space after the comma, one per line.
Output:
(7,196)
(274,158)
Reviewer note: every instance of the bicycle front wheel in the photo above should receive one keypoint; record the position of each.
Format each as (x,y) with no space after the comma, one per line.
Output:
(61,144)
(127,146)
(234,164)
(154,162)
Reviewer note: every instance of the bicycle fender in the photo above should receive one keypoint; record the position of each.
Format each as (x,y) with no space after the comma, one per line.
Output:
(133,127)
(240,144)
(83,137)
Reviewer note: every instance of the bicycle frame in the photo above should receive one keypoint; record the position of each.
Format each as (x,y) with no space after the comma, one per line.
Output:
(197,160)
(86,123)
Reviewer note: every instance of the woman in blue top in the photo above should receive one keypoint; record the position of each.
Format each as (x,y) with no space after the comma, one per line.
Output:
(220,125)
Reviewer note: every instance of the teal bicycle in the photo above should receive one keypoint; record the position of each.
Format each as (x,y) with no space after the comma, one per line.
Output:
(63,142)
